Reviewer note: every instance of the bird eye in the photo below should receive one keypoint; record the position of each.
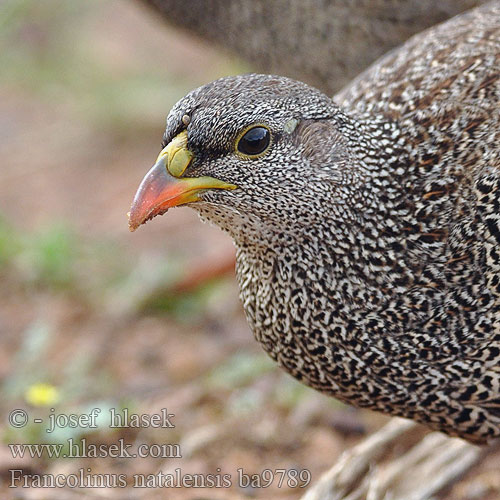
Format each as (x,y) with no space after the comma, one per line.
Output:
(254,141)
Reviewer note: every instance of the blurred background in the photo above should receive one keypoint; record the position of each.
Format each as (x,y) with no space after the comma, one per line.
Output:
(92,316)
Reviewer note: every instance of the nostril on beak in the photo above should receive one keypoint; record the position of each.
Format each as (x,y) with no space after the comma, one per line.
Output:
(176,155)
(179,161)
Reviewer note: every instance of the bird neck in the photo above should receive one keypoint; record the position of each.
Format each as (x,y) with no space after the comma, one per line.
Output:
(308,293)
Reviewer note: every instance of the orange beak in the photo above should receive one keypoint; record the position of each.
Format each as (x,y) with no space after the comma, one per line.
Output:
(159,190)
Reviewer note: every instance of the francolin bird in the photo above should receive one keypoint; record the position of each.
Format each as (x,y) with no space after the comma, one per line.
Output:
(367,227)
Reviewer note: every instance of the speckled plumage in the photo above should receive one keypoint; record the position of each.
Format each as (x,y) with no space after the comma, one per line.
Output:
(368,235)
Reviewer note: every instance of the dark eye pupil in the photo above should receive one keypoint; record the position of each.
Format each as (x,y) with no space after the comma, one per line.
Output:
(254,141)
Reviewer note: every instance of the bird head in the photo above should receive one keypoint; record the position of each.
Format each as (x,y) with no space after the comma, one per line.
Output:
(252,153)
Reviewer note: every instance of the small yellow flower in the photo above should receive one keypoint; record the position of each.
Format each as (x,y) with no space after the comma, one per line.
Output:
(42,394)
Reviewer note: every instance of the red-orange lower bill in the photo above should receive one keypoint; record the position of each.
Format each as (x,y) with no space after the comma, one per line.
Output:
(160,191)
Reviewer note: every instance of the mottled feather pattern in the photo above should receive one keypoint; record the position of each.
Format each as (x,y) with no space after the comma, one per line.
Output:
(368,237)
